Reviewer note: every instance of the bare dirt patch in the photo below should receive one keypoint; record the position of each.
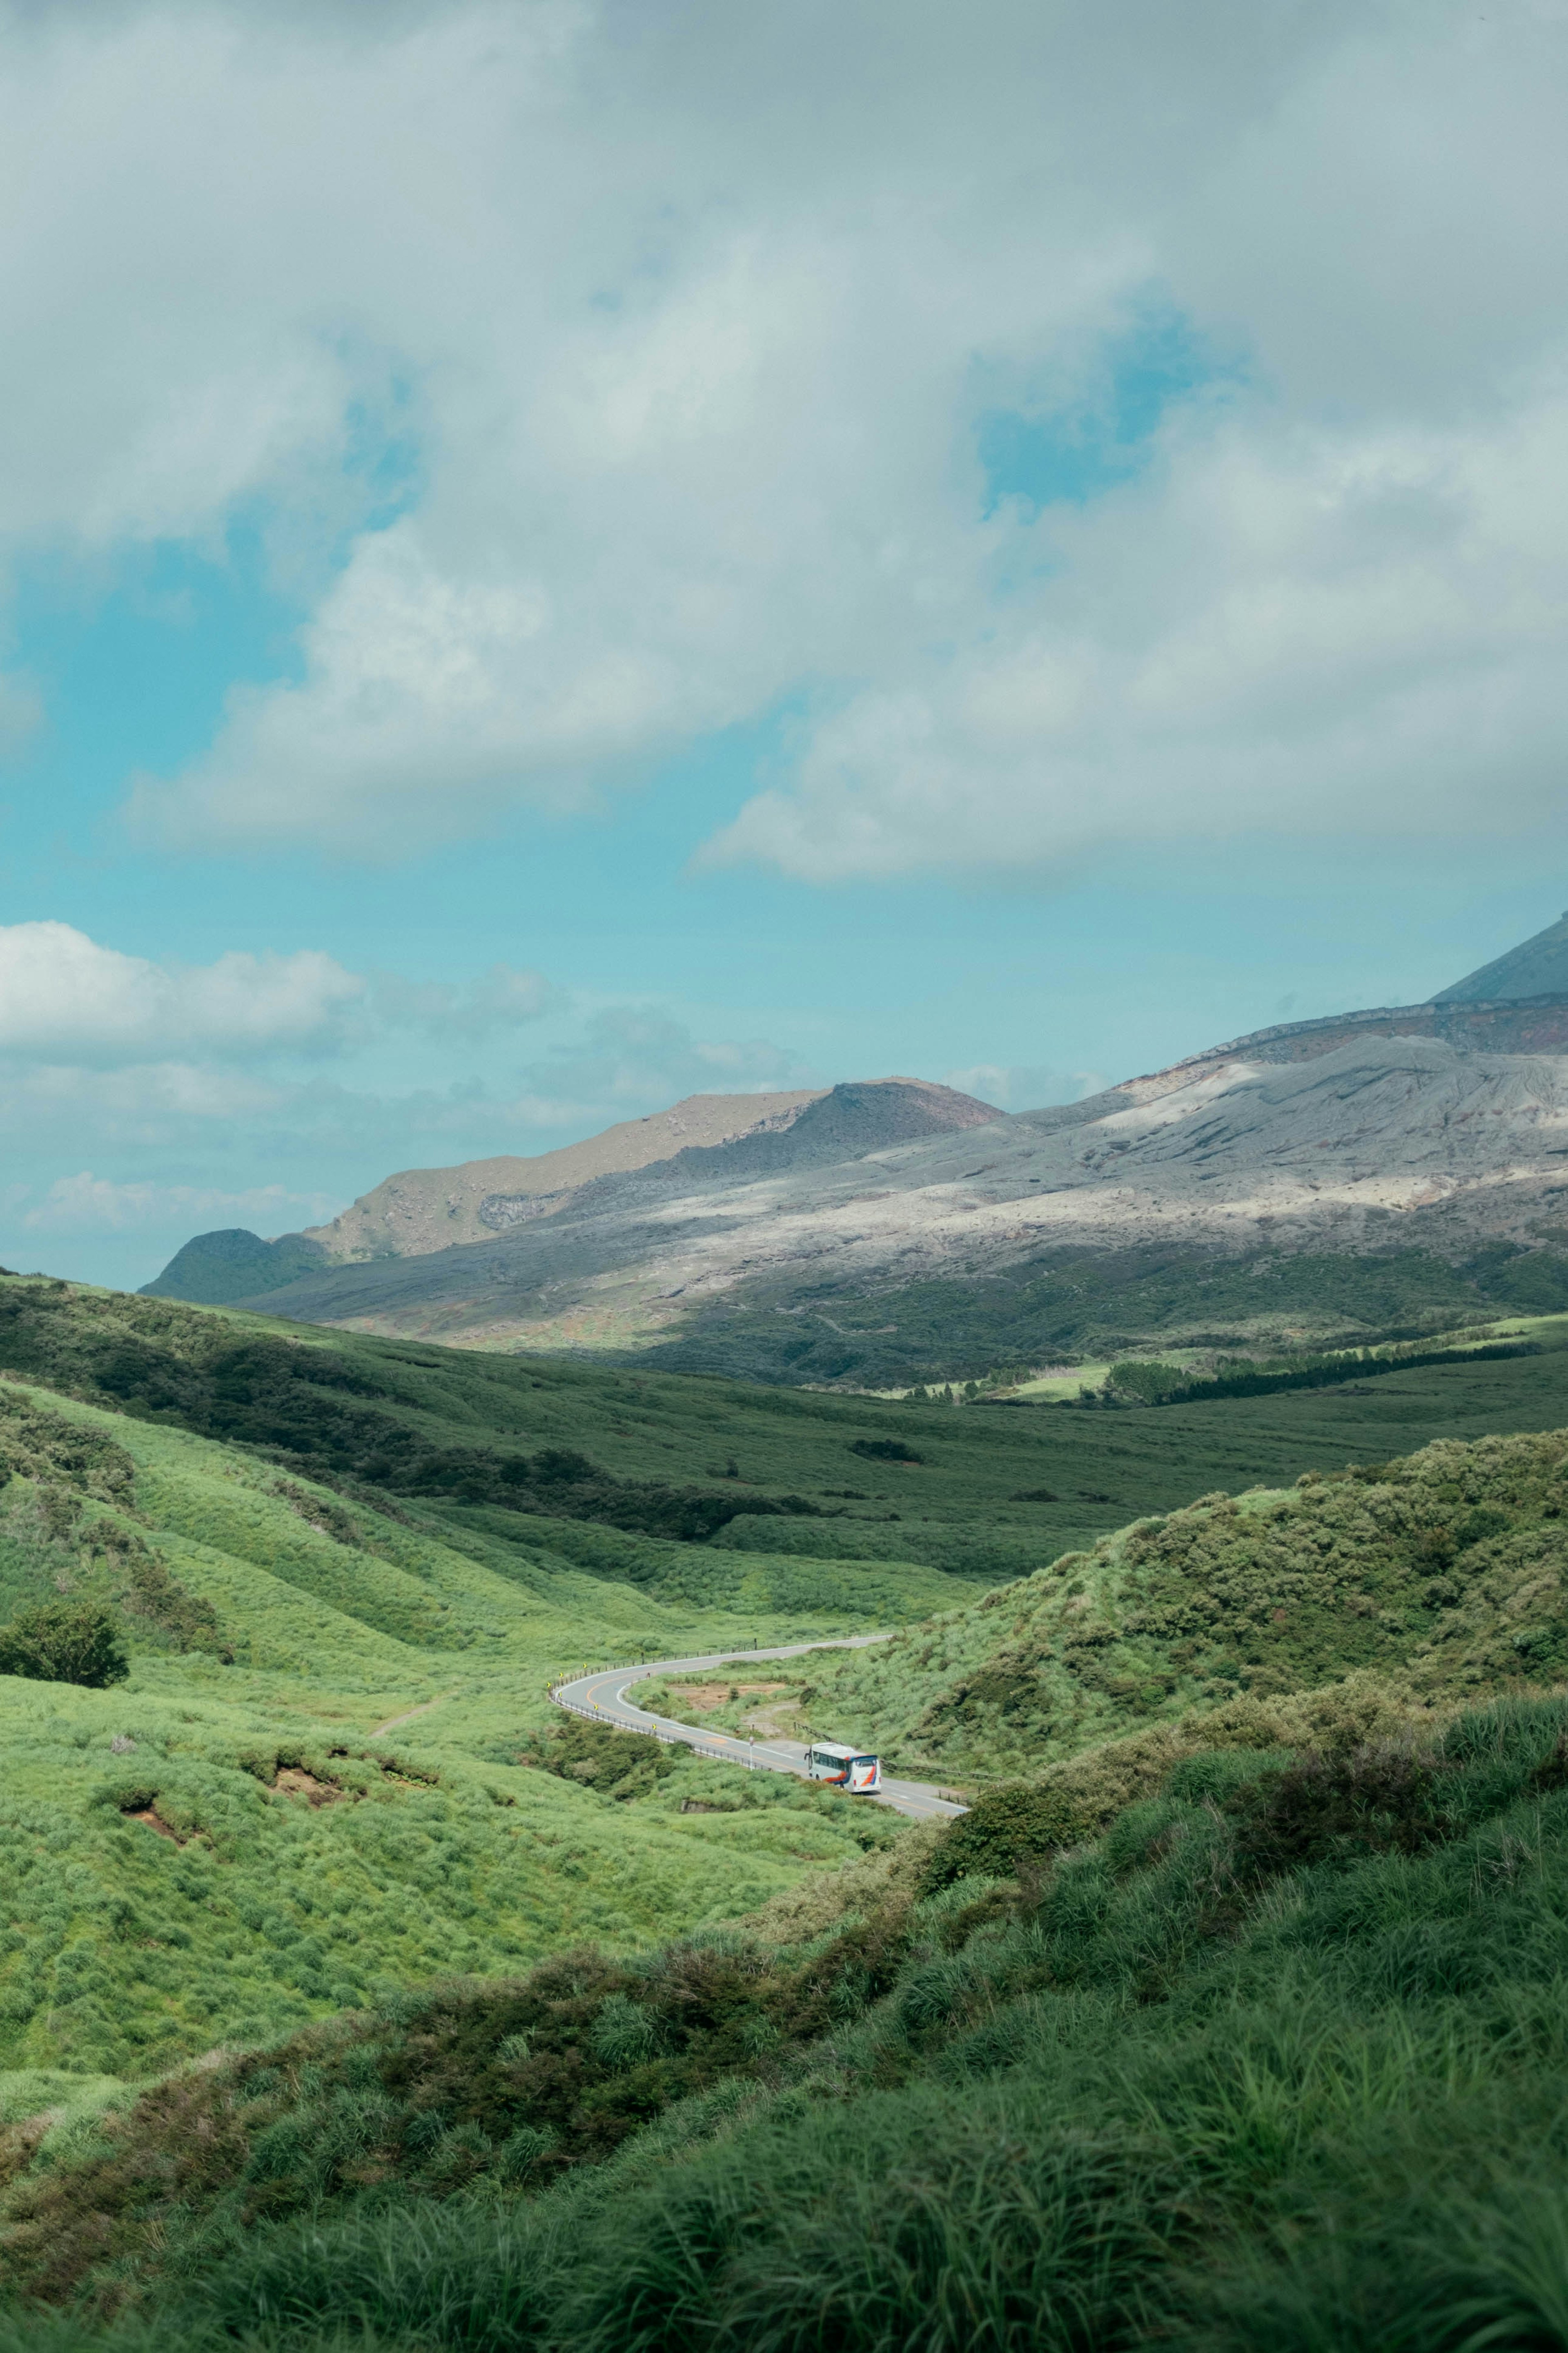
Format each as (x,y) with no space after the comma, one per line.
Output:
(295,1781)
(145,1814)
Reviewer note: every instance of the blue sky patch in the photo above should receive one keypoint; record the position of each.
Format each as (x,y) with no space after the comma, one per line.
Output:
(1048,454)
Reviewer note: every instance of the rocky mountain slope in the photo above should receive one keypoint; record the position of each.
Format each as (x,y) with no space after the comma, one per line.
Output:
(422,1210)
(903,1220)
(1345,1138)
(704,1138)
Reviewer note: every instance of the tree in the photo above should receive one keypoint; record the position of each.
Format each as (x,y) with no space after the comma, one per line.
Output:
(65,1643)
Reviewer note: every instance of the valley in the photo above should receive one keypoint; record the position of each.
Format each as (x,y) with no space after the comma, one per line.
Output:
(1211,1628)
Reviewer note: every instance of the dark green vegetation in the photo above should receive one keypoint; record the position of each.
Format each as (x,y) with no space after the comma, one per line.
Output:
(1081,1303)
(335,1413)
(1444,1570)
(1278,2060)
(65,1643)
(235,1264)
(1154,1382)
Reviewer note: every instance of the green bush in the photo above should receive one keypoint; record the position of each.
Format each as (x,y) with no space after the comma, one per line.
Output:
(65,1643)
(1008,1830)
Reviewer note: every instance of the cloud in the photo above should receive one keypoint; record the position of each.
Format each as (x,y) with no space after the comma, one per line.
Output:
(86,1203)
(632,1058)
(1276,631)
(69,1004)
(63,995)
(1088,425)
(501,998)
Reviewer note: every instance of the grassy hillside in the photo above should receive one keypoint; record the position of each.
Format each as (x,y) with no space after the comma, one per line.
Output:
(1096,1302)
(643,1476)
(1237,1984)
(1443,1570)
(1276,2061)
(224,1844)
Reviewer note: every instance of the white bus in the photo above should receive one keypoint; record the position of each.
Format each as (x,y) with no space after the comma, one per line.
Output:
(846,1766)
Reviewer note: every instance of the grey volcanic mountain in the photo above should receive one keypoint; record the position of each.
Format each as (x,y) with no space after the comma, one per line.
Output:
(1538,967)
(430,1209)
(704,1140)
(1395,1166)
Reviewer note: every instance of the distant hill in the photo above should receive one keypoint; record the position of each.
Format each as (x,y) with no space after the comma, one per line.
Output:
(431,1208)
(1373,1171)
(1384,1169)
(213,1268)
(1537,967)
(704,1139)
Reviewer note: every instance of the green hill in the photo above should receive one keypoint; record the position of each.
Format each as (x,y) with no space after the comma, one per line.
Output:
(344,1984)
(606,1462)
(1442,1572)
(235,1263)
(1275,2061)
(225,1844)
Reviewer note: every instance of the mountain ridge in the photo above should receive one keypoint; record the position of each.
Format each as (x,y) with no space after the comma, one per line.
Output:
(1438,1130)
(1355,1141)
(420,1212)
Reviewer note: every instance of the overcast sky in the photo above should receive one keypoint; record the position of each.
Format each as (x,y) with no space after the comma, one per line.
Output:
(557,556)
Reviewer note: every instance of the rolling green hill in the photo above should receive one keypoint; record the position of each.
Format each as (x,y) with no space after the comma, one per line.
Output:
(1441,1573)
(1277,2061)
(226,1844)
(619,1469)
(491,2015)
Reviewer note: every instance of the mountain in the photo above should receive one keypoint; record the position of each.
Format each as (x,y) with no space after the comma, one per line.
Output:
(422,1210)
(1387,1168)
(1260,1187)
(1538,967)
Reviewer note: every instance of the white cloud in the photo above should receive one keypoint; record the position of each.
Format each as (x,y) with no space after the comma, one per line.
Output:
(696,311)
(501,998)
(634,1059)
(72,1007)
(62,994)
(1279,631)
(86,1203)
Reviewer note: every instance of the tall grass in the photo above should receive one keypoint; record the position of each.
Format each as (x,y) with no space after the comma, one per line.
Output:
(1205,2083)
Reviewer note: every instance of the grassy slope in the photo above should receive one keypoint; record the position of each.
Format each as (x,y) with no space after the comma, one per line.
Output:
(684,2093)
(341,1614)
(1278,2061)
(124,1950)
(1444,1570)
(957,1512)
(1100,1303)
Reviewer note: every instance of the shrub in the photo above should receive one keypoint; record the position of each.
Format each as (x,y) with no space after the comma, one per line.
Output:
(885,1449)
(1380,1800)
(1008,1830)
(65,1643)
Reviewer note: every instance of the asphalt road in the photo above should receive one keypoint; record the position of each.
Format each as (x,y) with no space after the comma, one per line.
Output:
(602,1698)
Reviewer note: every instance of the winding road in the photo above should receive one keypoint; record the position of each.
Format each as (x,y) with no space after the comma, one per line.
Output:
(602,1698)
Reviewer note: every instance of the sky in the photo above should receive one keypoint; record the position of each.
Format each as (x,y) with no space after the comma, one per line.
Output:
(554,556)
